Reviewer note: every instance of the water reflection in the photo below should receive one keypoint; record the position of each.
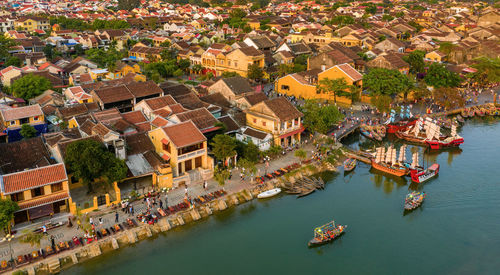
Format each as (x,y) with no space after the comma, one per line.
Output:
(386,181)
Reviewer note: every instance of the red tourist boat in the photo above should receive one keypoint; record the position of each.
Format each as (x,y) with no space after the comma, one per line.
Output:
(402,125)
(418,174)
(429,134)
(386,161)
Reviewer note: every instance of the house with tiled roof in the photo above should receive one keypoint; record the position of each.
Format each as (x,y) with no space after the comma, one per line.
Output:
(125,96)
(77,94)
(234,89)
(390,61)
(201,117)
(185,148)
(12,119)
(153,107)
(39,192)
(277,117)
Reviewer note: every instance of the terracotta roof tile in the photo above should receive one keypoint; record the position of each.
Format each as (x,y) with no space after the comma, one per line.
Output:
(33,178)
(184,134)
(283,109)
(54,197)
(160,102)
(134,117)
(201,117)
(21,112)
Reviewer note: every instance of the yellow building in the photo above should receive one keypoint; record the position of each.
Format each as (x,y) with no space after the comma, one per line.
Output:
(14,118)
(142,53)
(278,117)
(238,60)
(304,84)
(435,56)
(78,94)
(39,192)
(185,147)
(32,23)
(122,69)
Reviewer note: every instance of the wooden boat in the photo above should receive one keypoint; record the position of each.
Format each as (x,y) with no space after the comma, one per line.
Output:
(326,233)
(349,164)
(479,112)
(414,200)
(269,193)
(369,132)
(386,161)
(420,174)
(303,194)
(429,133)
(464,113)
(401,125)
(460,119)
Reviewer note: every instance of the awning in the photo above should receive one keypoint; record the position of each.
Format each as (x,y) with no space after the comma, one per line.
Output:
(300,130)
(44,200)
(469,70)
(41,211)
(165,141)
(165,157)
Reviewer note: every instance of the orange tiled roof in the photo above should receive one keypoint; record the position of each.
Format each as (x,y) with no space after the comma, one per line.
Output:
(20,181)
(62,195)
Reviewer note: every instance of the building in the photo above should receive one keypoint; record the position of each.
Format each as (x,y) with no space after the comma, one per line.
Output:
(125,96)
(39,192)
(185,147)
(32,23)
(12,119)
(277,117)
(218,61)
(234,89)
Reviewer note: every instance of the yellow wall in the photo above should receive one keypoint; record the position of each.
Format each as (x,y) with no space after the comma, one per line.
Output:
(433,56)
(17,123)
(298,89)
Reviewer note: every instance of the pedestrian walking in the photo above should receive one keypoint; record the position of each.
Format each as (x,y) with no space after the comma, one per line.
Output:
(44,229)
(53,241)
(100,220)
(186,191)
(116,216)
(131,210)
(161,204)
(91,221)
(205,185)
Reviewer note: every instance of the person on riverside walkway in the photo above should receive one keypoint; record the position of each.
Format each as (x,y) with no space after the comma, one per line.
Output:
(44,229)
(116,216)
(205,185)
(166,200)
(161,204)
(186,191)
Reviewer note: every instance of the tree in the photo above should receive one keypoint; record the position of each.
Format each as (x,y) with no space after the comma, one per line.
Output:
(197,68)
(184,64)
(30,86)
(28,131)
(223,147)
(448,97)
(387,17)
(178,73)
(251,152)
(371,9)
(5,45)
(381,102)
(128,4)
(221,174)
(249,168)
(488,70)
(301,154)
(335,87)
(446,47)
(79,50)
(48,50)
(439,76)
(416,61)
(229,74)
(7,210)
(89,160)
(32,238)
(255,72)
(379,81)
(318,118)
(13,61)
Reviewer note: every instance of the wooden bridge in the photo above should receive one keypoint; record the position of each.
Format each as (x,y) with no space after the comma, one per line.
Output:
(339,134)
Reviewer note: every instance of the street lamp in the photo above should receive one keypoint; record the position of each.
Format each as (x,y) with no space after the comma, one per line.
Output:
(9,238)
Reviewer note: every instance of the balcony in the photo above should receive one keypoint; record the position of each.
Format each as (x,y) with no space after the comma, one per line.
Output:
(192,154)
(289,129)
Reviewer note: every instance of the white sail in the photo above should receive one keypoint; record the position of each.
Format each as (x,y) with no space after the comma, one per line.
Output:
(454,130)
(393,156)
(436,131)
(414,162)
(388,155)
(402,154)
(379,156)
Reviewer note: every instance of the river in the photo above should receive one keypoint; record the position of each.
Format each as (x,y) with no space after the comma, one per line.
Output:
(456,230)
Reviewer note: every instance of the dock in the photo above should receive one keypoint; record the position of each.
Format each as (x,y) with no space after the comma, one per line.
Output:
(357,155)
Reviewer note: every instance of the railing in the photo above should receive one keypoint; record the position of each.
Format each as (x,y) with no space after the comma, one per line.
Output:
(289,129)
(192,154)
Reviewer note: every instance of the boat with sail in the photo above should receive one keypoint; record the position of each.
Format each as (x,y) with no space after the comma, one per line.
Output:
(326,233)
(429,133)
(387,162)
(401,123)
(420,174)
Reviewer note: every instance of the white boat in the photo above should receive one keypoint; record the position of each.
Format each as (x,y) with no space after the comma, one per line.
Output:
(269,193)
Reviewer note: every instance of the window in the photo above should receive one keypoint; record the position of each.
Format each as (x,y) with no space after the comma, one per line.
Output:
(56,187)
(285,87)
(254,120)
(12,123)
(263,123)
(17,196)
(35,118)
(37,192)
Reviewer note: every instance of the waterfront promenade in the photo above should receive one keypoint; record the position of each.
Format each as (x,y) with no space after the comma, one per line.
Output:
(175,196)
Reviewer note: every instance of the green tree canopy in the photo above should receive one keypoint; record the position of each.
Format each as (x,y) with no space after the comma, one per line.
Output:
(7,210)
(30,86)
(251,152)
(379,81)
(320,118)
(416,61)
(28,131)
(439,76)
(223,147)
(89,160)
(255,72)
(5,45)
(104,58)
(448,97)
(488,70)
(13,61)
(335,87)
(128,4)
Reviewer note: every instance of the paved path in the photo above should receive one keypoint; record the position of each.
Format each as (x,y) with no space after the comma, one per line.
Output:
(175,196)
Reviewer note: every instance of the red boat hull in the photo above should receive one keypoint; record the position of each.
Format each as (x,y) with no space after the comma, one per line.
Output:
(436,145)
(399,126)
(420,176)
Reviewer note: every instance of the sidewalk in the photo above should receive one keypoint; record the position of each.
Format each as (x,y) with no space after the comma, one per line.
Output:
(175,196)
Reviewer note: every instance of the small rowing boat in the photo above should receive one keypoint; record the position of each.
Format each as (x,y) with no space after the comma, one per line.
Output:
(269,193)
(349,164)
(326,233)
(414,200)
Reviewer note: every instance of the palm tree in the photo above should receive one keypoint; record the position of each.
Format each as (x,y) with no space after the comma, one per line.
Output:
(337,87)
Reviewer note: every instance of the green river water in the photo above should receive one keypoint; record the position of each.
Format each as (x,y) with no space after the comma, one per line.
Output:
(455,231)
